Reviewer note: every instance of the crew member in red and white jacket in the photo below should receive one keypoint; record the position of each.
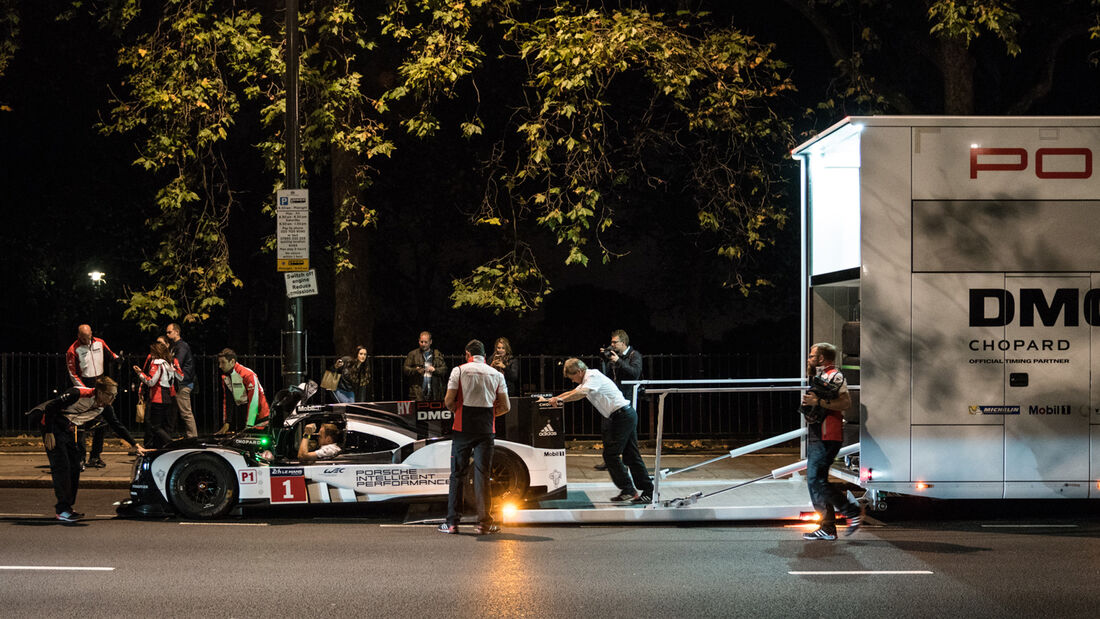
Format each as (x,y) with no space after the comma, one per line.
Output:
(84,358)
(243,401)
(86,363)
(477,395)
(160,379)
(824,438)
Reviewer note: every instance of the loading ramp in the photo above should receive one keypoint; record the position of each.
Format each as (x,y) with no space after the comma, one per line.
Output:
(779,495)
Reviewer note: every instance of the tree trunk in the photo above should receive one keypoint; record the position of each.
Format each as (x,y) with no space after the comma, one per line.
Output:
(353,311)
(957,66)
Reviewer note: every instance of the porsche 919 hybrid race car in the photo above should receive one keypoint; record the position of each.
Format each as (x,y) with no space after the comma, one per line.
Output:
(392,451)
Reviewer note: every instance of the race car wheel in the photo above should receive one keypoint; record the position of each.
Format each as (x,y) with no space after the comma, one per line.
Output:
(202,486)
(508,478)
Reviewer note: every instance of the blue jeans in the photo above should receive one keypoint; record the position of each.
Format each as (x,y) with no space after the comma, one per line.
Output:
(463,444)
(620,451)
(826,497)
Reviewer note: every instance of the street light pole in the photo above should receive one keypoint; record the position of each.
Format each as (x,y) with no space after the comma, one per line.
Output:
(294,334)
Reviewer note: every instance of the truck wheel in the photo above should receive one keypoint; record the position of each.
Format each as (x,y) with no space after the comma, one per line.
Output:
(202,486)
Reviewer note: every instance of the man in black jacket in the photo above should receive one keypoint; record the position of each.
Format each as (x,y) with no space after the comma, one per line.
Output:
(620,361)
(61,418)
(181,351)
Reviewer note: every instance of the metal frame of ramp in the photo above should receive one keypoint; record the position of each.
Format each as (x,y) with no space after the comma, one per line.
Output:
(769,497)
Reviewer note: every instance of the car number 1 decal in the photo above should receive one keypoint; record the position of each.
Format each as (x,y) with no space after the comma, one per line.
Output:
(288,486)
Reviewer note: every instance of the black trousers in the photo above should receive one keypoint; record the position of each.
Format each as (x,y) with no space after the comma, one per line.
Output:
(158,417)
(236,416)
(463,445)
(98,434)
(64,469)
(621,453)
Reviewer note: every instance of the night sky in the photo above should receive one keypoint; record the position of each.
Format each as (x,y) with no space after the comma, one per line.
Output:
(73,203)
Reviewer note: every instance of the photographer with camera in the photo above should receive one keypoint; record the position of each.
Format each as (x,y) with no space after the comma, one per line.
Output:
(823,405)
(619,362)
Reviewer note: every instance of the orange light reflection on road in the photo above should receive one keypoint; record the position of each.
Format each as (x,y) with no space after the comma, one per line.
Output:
(509,587)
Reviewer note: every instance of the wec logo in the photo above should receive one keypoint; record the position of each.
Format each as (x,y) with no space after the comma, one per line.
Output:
(1077,160)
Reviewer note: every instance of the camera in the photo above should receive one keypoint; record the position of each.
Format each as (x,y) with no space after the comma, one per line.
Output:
(824,390)
(605,354)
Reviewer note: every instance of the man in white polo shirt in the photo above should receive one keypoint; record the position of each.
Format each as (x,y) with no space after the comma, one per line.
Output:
(620,430)
(477,395)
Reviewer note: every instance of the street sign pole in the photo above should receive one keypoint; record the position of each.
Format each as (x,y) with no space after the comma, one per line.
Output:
(294,334)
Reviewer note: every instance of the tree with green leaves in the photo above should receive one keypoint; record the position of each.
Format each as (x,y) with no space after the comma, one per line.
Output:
(9,38)
(957,57)
(572,116)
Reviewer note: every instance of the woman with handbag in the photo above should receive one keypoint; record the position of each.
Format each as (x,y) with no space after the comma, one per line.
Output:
(358,376)
(162,393)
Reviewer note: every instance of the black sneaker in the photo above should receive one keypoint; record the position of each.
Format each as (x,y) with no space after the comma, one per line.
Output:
(820,534)
(624,496)
(644,499)
(77,515)
(489,529)
(67,517)
(854,522)
(601,466)
(447,528)
(97,463)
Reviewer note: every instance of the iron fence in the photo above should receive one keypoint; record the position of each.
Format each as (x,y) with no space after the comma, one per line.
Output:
(29,378)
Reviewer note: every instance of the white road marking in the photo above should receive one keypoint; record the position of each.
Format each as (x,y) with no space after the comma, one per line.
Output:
(56,568)
(226,524)
(860,573)
(1029,526)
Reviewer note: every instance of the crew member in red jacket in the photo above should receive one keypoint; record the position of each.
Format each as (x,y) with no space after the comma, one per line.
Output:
(825,435)
(86,362)
(243,401)
(160,379)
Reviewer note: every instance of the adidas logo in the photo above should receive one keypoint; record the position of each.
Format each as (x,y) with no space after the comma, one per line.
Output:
(548,430)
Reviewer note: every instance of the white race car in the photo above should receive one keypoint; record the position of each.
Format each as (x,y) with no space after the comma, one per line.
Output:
(390,451)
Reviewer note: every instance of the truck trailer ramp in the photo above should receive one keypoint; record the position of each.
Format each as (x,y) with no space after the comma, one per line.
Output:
(779,495)
(586,503)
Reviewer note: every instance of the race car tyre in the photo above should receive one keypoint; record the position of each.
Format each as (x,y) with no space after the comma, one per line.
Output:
(202,486)
(508,478)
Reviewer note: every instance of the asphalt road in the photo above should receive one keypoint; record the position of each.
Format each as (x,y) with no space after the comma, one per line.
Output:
(366,563)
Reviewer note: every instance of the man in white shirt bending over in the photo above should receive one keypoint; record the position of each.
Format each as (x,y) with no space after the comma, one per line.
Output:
(620,430)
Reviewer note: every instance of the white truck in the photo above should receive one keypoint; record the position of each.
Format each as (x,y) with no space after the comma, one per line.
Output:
(956,262)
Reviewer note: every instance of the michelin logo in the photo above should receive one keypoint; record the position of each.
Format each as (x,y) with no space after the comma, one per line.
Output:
(994,410)
(548,430)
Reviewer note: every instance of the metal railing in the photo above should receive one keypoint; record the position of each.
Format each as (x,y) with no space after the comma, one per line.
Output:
(763,385)
(29,378)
